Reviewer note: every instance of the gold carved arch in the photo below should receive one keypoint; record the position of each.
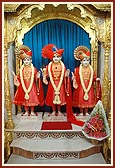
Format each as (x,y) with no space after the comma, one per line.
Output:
(27,21)
(35,14)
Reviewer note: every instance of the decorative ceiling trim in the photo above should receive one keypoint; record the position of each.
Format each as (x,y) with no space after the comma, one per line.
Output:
(103,7)
(11,7)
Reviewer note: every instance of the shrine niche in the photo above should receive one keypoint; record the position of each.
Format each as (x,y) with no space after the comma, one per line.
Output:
(94,19)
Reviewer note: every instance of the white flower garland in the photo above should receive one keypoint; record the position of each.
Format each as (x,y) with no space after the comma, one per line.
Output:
(56,89)
(86,97)
(31,81)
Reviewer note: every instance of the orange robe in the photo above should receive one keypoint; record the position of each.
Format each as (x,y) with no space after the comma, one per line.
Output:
(65,92)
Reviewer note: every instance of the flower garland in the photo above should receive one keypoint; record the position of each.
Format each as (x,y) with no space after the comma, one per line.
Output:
(56,89)
(86,97)
(31,81)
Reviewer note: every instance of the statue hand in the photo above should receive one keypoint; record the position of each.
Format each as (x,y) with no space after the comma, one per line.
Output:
(97,79)
(38,74)
(16,81)
(67,73)
(73,77)
(43,71)
(45,80)
(75,85)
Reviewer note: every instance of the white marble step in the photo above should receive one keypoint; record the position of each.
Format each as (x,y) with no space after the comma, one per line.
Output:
(52,145)
(28,143)
(31,128)
(54,149)
(93,160)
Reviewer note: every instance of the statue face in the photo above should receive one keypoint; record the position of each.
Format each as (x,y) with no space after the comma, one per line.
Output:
(27,61)
(56,58)
(85,61)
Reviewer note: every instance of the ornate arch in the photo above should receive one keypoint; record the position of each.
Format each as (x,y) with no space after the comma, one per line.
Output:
(27,21)
(35,14)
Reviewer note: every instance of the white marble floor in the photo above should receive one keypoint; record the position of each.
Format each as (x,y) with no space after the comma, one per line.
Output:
(33,123)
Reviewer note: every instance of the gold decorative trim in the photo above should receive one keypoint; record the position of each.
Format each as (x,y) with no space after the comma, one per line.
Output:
(103,7)
(11,7)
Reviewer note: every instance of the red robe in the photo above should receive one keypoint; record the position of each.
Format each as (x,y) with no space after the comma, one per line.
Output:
(65,92)
(56,70)
(78,94)
(34,98)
